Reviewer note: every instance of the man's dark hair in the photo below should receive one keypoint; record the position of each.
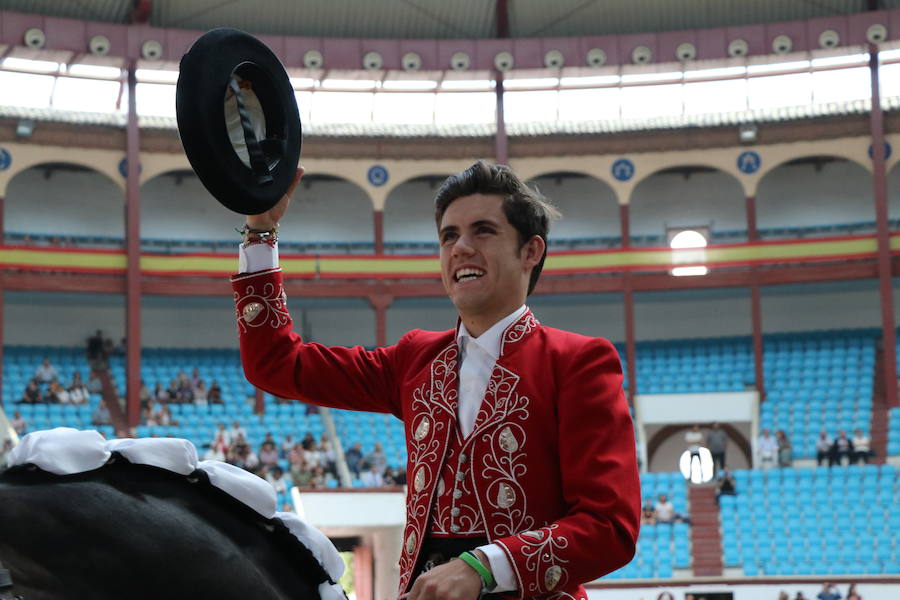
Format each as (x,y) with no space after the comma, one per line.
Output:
(525,208)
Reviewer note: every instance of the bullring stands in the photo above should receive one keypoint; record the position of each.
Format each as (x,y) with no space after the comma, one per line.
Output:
(19,364)
(818,381)
(813,521)
(664,546)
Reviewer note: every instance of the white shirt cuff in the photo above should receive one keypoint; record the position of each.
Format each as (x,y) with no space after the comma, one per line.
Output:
(500,568)
(257,257)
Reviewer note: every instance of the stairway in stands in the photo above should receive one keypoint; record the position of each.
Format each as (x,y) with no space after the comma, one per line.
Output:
(117,416)
(880,415)
(706,538)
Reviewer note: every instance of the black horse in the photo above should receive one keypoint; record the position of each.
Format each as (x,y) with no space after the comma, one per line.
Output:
(127,531)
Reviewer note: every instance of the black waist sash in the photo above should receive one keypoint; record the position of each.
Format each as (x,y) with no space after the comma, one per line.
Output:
(438,550)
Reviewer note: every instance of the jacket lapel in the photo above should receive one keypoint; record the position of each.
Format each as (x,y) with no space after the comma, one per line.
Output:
(502,386)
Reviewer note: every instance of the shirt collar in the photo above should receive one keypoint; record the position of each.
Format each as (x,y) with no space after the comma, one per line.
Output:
(489,341)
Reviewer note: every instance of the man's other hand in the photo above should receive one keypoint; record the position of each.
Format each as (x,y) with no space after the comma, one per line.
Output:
(269,219)
(454,580)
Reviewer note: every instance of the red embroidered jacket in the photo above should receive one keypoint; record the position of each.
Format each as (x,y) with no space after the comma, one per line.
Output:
(552,456)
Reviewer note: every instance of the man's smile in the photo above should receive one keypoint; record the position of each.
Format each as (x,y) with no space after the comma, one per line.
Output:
(464,274)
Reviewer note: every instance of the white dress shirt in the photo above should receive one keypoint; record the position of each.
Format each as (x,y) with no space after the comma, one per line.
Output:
(477,359)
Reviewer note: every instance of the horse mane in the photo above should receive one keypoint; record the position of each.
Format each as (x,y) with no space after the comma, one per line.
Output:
(142,492)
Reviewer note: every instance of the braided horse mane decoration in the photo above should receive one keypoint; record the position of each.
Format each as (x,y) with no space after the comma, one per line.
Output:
(85,518)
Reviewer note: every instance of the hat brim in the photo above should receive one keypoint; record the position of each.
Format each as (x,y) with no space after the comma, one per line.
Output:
(204,76)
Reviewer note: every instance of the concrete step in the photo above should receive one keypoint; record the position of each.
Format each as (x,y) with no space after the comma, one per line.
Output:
(706,539)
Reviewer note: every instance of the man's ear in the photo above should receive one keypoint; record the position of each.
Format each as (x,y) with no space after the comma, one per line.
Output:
(533,251)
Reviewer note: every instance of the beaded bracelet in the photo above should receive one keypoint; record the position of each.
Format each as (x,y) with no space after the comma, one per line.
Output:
(250,236)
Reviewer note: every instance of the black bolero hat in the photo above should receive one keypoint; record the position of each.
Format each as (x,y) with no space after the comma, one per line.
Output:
(238,120)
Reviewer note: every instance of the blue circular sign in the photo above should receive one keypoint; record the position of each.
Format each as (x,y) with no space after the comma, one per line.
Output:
(123,167)
(5,159)
(378,175)
(749,162)
(623,169)
(887,151)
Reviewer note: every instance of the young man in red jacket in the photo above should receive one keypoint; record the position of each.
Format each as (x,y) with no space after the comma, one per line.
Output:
(522,469)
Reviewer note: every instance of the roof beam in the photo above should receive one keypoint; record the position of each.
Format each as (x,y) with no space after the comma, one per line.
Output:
(140,11)
(502,10)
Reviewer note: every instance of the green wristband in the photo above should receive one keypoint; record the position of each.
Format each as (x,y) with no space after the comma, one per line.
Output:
(486,578)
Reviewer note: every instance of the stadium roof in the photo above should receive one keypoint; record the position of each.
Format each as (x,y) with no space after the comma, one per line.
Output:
(524,129)
(443,19)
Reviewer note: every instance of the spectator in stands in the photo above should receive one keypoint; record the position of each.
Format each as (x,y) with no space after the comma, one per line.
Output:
(145,395)
(648,513)
(242,456)
(399,474)
(287,444)
(319,479)
(172,391)
(195,377)
(268,454)
(694,439)
(725,484)
(121,349)
(354,458)
(665,596)
(392,477)
(148,417)
(94,385)
(823,449)
(235,433)
(277,480)
(201,394)
(313,456)
(164,417)
(95,348)
(57,394)
(308,442)
(852,594)
(372,476)
(785,449)
(78,392)
(862,447)
(108,347)
(665,510)
(301,474)
(767,449)
(160,394)
(46,372)
(185,393)
(829,592)
(799,596)
(218,449)
(717,442)
(842,448)
(215,393)
(329,459)
(19,425)
(101,415)
(783,595)
(32,393)
(377,458)
(297,454)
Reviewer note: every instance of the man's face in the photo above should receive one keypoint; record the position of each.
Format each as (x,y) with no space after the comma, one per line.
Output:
(482,267)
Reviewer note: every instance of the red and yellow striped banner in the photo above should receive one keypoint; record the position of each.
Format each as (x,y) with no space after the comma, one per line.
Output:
(766,253)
